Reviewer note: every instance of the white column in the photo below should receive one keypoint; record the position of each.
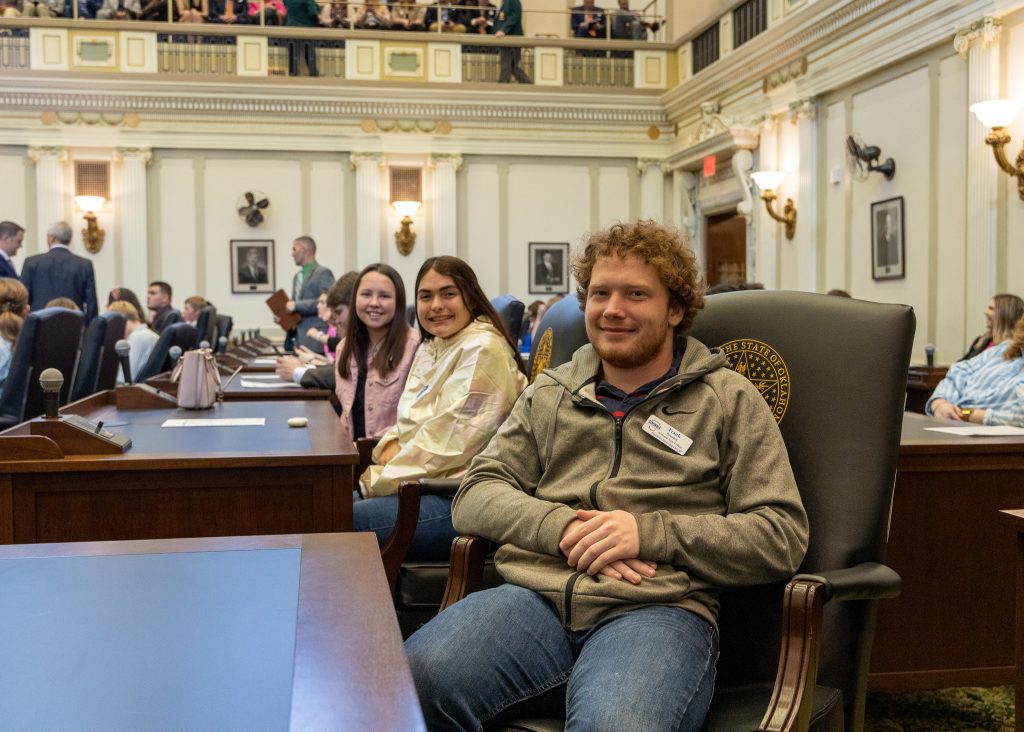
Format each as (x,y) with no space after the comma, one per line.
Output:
(369,210)
(443,204)
(652,189)
(50,194)
(684,186)
(742,167)
(130,208)
(804,115)
(766,230)
(978,43)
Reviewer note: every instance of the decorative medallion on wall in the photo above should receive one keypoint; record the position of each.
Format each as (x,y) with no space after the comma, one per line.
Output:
(251,206)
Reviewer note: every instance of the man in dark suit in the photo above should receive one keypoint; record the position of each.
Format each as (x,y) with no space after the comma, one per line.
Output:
(252,272)
(158,299)
(588,20)
(510,23)
(548,271)
(11,236)
(59,273)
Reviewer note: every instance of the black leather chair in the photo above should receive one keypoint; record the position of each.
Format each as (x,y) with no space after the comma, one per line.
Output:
(224,325)
(419,586)
(97,365)
(181,335)
(510,310)
(49,338)
(795,655)
(206,326)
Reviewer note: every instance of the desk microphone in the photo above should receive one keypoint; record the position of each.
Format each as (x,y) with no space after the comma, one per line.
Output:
(222,344)
(51,380)
(204,344)
(174,353)
(929,352)
(123,348)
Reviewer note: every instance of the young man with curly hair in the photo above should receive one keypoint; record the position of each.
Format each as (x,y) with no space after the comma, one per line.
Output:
(626,488)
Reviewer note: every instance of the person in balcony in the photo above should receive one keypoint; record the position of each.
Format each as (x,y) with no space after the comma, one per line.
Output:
(372,16)
(407,15)
(119,10)
(274,12)
(629,25)
(588,20)
(479,17)
(43,8)
(230,12)
(510,23)
(301,14)
(445,17)
(193,11)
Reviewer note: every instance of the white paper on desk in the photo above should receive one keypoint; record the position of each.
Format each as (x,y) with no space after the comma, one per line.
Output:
(261,377)
(250,384)
(264,362)
(995,430)
(244,422)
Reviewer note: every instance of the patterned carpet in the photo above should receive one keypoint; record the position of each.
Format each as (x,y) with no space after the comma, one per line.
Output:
(943,710)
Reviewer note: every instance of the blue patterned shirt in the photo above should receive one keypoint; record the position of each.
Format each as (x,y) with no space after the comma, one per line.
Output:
(6,351)
(987,381)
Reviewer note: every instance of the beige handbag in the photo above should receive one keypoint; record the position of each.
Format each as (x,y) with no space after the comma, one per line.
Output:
(197,378)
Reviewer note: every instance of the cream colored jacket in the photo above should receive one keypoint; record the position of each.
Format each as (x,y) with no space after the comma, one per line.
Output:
(459,391)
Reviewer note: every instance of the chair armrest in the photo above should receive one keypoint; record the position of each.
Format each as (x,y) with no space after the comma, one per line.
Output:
(466,568)
(439,486)
(865,581)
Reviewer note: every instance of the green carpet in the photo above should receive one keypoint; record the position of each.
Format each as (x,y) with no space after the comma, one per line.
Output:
(942,710)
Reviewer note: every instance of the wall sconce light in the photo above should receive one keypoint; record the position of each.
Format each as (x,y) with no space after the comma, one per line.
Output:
(92,234)
(768,181)
(997,115)
(405,237)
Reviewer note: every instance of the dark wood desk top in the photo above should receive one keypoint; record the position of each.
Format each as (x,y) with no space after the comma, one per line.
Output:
(325,441)
(917,439)
(349,669)
(236,391)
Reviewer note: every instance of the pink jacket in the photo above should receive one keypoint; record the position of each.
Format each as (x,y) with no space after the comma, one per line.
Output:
(381,397)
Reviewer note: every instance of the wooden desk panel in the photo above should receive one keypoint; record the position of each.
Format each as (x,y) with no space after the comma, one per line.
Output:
(953,623)
(349,669)
(186,482)
(921,382)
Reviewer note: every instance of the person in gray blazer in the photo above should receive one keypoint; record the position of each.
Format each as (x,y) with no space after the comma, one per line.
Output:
(310,282)
(59,273)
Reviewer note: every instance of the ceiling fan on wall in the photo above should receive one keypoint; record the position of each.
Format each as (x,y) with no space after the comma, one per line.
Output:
(251,206)
(862,160)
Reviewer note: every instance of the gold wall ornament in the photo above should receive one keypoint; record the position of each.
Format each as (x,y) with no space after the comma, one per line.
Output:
(92,234)
(768,181)
(997,115)
(405,237)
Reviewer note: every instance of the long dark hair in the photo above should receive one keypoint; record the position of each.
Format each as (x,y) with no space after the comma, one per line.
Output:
(472,295)
(123,293)
(357,336)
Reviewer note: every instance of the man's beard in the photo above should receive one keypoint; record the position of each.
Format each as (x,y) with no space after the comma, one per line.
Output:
(642,351)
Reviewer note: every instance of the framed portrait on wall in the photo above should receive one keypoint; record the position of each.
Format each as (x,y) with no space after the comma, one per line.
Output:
(888,250)
(252,266)
(549,268)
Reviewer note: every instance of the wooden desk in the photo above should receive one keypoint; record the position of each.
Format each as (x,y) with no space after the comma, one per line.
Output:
(185,482)
(235,390)
(953,623)
(172,635)
(921,382)
(1015,521)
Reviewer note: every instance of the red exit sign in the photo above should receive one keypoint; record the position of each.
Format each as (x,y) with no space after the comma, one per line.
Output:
(710,166)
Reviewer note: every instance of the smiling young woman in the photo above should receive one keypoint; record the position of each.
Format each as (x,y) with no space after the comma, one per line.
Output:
(464,380)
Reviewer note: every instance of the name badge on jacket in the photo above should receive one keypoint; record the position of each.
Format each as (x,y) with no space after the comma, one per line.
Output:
(667,435)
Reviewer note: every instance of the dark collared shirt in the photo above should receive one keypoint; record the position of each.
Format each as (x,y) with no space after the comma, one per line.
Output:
(619,402)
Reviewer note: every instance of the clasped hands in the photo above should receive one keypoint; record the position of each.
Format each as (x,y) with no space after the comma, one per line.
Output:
(605,542)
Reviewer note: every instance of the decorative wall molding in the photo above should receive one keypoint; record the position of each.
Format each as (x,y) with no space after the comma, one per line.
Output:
(38,152)
(785,74)
(145,153)
(407,126)
(359,159)
(803,110)
(453,159)
(90,119)
(986,31)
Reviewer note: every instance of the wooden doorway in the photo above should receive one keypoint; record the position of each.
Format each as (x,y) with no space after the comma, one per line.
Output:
(726,249)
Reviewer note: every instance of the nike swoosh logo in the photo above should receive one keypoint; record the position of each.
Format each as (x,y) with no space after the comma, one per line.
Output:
(669,412)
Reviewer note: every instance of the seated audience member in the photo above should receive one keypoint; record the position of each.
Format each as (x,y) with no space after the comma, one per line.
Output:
(273,12)
(42,8)
(192,11)
(230,12)
(334,14)
(120,10)
(588,20)
(307,368)
(9,9)
(376,354)
(63,302)
(123,293)
(534,312)
(87,9)
(445,17)
(139,337)
(372,16)
(193,306)
(613,566)
(407,15)
(13,311)
(629,25)
(463,382)
(158,299)
(986,389)
(479,16)
(1001,316)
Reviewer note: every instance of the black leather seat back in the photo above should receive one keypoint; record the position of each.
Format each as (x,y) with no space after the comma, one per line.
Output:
(561,333)
(181,335)
(510,310)
(224,325)
(97,365)
(834,372)
(206,326)
(49,338)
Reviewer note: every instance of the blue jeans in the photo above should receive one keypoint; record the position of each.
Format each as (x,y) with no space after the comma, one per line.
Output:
(434,532)
(503,651)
